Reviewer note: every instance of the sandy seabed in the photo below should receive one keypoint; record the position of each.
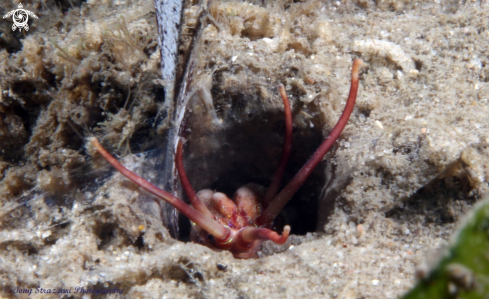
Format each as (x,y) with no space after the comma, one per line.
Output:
(411,161)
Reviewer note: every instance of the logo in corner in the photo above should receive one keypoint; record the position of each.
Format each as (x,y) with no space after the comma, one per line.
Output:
(20,17)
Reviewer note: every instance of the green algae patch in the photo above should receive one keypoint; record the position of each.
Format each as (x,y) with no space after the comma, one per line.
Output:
(463,271)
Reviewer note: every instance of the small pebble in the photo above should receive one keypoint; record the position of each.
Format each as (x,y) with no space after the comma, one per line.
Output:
(222,267)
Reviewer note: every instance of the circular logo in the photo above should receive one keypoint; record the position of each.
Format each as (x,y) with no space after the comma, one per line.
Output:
(20,18)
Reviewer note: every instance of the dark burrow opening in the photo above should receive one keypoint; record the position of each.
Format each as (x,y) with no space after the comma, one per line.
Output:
(225,151)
